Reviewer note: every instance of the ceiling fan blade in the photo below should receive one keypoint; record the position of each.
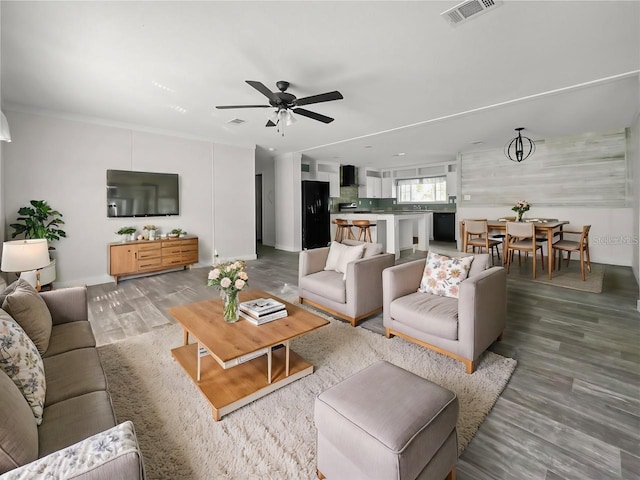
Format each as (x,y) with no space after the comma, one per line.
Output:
(323,97)
(263,90)
(313,115)
(270,124)
(225,107)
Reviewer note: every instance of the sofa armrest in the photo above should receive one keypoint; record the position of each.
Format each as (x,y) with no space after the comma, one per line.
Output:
(399,281)
(113,453)
(312,261)
(67,304)
(364,282)
(482,310)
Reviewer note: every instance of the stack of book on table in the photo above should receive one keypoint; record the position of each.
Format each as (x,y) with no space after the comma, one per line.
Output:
(262,310)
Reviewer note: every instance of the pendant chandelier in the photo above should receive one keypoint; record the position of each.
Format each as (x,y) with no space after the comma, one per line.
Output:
(520,148)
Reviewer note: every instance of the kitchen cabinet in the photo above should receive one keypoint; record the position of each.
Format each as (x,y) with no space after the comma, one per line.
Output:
(370,183)
(387,185)
(330,172)
(144,256)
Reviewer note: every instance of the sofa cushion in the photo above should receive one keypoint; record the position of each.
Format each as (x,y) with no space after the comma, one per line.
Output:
(327,284)
(29,310)
(351,254)
(21,361)
(72,374)
(75,419)
(70,336)
(443,274)
(432,314)
(370,249)
(18,431)
(481,262)
(9,289)
(335,249)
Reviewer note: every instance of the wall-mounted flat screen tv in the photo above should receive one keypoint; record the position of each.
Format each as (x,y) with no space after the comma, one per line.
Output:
(142,194)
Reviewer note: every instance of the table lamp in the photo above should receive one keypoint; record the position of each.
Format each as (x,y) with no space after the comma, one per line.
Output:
(25,255)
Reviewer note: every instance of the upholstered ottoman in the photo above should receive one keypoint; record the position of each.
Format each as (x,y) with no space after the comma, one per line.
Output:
(386,423)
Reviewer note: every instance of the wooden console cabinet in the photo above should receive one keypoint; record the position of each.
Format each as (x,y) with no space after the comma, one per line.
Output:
(145,256)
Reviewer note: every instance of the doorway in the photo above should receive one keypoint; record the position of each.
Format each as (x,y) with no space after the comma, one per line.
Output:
(259,208)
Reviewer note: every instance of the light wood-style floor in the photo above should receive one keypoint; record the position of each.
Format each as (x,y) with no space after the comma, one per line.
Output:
(570,411)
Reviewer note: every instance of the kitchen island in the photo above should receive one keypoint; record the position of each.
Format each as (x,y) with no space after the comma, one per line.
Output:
(393,230)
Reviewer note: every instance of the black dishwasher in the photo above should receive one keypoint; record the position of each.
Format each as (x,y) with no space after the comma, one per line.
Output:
(444,227)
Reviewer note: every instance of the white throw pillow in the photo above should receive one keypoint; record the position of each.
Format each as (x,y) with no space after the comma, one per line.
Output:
(348,255)
(21,361)
(443,274)
(335,249)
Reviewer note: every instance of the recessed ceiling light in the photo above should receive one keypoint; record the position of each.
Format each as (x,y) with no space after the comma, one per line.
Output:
(400,154)
(335,157)
(477,143)
(368,146)
(236,121)
(271,149)
(179,109)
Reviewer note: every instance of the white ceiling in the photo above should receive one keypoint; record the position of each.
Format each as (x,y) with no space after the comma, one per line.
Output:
(556,68)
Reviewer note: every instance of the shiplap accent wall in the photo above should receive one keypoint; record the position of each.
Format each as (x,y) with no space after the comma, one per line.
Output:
(585,170)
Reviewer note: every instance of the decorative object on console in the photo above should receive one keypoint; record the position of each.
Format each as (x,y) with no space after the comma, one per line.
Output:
(128,233)
(25,255)
(521,207)
(149,232)
(520,148)
(230,278)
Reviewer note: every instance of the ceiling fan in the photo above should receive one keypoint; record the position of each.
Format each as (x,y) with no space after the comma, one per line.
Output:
(285,103)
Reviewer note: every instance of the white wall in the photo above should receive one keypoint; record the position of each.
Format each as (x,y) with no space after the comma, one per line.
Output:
(634,162)
(265,167)
(288,185)
(234,224)
(65,163)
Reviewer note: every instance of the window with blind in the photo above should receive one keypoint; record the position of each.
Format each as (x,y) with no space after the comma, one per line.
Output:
(422,190)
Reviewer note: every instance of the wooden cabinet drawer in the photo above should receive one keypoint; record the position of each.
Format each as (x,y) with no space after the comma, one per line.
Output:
(169,260)
(189,249)
(190,241)
(191,257)
(150,264)
(172,250)
(149,253)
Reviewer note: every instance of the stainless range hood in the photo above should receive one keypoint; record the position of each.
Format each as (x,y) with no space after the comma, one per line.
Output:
(348,176)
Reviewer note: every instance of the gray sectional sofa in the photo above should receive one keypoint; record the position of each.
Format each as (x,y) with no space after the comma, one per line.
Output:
(78,436)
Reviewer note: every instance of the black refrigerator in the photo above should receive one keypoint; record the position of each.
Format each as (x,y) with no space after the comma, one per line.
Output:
(316,222)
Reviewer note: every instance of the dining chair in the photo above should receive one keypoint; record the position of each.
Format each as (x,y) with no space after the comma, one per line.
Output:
(521,236)
(581,246)
(476,235)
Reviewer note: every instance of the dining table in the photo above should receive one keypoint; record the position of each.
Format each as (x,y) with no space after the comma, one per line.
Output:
(550,227)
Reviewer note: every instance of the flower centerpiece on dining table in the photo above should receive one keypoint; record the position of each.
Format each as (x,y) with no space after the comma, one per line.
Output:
(521,207)
(230,278)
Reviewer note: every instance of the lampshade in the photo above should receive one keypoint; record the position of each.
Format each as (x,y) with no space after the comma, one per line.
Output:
(5,135)
(25,255)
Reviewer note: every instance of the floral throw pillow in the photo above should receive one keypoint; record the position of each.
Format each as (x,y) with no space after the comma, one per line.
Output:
(443,274)
(21,361)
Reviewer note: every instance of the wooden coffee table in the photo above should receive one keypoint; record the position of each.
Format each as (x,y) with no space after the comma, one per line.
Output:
(240,364)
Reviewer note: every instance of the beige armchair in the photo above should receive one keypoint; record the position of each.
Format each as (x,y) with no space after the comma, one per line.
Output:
(354,297)
(463,327)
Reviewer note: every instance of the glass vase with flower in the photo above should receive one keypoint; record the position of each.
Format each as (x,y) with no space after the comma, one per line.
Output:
(229,278)
(521,207)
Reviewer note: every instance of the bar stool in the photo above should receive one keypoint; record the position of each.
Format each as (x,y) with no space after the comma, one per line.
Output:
(343,231)
(364,230)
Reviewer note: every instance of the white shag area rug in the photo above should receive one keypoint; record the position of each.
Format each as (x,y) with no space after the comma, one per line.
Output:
(273,437)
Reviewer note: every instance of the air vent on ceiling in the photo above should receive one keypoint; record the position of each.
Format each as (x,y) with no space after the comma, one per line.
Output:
(236,121)
(470,9)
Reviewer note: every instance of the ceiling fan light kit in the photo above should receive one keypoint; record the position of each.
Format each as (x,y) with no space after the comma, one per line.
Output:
(520,148)
(286,104)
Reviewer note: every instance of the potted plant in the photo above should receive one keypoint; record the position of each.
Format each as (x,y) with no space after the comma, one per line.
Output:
(38,221)
(177,232)
(149,232)
(128,233)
